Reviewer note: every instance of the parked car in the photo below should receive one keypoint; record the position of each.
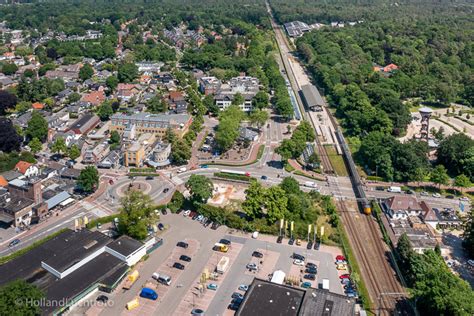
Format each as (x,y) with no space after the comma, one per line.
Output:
(291,241)
(345,276)
(161,226)
(102,298)
(182,244)
(298,242)
(436,195)
(309,246)
(298,256)
(199,218)
(233,306)
(311,270)
(257,254)
(165,190)
(164,211)
(185,258)
(279,239)
(197,311)
(310,276)
(424,193)
(341,262)
(306,285)
(379,188)
(212,286)
(225,242)
(215,226)
(186,213)
(410,192)
(310,265)
(340,257)
(149,178)
(464,199)
(243,287)
(264,177)
(298,262)
(178,265)
(14,242)
(237,295)
(450,196)
(252,267)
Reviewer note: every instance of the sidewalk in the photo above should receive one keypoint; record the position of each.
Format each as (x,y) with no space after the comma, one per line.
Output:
(298,167)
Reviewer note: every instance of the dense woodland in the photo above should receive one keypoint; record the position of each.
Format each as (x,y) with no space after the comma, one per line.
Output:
(432,45)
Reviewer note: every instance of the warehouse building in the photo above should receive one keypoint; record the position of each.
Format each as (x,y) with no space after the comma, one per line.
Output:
(296,28)
(157,124)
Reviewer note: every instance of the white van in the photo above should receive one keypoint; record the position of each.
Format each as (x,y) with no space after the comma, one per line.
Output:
(394,190)
(182,169)
(164,279)
(255,235)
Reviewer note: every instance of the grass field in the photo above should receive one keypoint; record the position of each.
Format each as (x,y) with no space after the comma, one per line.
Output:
(337,161)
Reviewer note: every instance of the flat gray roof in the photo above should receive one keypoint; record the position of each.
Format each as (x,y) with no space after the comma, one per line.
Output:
(312,96)
(178,118)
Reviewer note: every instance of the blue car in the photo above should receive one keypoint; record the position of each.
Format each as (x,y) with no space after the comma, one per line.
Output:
(212,286)
(149,294)
(204,166)
(14,242)
(237,295)
(264,177)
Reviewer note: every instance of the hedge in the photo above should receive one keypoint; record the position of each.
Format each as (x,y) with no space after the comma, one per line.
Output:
(101,220)
(31,247)
(259,155)
(232,176)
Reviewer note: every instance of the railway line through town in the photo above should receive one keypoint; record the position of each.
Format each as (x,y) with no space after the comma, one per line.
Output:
(386,293)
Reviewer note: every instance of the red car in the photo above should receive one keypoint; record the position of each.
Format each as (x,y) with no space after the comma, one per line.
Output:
(345,276)
(340,258)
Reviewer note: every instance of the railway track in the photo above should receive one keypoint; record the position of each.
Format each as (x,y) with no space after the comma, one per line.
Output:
(281,39)
(371,253)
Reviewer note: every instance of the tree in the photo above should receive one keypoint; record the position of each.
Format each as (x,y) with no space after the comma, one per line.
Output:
(468,235)
(74,152)
(112,83)
(285,150)
(439,175)
(11,141)
(200,188)
(86,72)
(105,111)
(404,250)
(420,175)
(7,101)
(254,199)
(37,127)
(114,137)
(127,72)
(210,104)
(59,146)
(238,99)
(9,69)
(88,179)
(260,100)
(259,117)
(156,105)
(73,97)
(275,204)
(22,106)
(290,185)
(455,152)
(20,298)
(136,214)
(35,145)
(180,152)
(462,181)
(177,201)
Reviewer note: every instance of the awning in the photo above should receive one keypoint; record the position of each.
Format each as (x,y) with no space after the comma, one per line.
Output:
(67,202)
(6,218)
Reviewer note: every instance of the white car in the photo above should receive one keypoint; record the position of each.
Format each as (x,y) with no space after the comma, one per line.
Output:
(186,213)
(436,195)
(464,198)
(424,193)
(298,262)
(199,218)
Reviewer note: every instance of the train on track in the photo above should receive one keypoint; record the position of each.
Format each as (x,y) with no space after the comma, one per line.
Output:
(354,175)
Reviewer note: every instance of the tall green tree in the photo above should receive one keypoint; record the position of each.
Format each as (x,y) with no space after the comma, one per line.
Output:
(86,72)
(275,204)
(88,179)
(74,152)
(180,152)
(200,188)
(112,82)
(136,214)
(105,111)
(127,72)
(20,298)
(254,200)
(258,118)
(439,175)
(37,127)
(35,145)
(462,181)
(59,146)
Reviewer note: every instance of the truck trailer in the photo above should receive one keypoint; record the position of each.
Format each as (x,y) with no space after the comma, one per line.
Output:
(222,265)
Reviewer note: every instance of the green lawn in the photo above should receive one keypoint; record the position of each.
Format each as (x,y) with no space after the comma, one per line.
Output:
(337,161)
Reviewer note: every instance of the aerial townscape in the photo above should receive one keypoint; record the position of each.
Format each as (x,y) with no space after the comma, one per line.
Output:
(248,158)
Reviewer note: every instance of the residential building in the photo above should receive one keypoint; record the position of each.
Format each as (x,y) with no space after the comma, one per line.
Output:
(84,124)
(157,124)
(136,153)
(96,154)
(248,87)
(445,218)
(94,98)
(111,161)
(147,66)
(400,206)
(209,85)
(27,169)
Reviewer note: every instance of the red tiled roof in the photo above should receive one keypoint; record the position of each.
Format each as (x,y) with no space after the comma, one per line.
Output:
(22,166)
(37,106)
(3,182)
(403,203)
(94,98)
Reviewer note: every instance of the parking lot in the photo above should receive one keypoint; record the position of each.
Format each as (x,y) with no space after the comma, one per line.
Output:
(275,257)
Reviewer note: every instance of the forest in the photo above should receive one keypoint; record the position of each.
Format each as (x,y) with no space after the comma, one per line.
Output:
(431,47)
